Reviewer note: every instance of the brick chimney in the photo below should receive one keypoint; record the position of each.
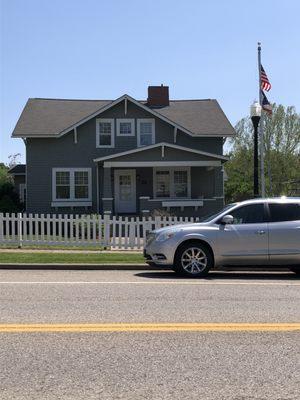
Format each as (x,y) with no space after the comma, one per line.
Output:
(158,96)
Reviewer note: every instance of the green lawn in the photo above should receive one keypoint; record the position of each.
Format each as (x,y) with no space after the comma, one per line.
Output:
(107,258)
(50,247)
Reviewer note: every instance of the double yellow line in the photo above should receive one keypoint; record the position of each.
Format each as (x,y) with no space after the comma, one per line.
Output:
(151,327)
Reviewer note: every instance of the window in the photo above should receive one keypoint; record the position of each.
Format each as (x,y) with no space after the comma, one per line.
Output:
(172,183)
(250,214)
(125,127)
(63,185)
(22,192)
(181,183)
(105,133)
(125,186)
(145,132)
(162,184)
(71,184)
(284,212)
(81,184)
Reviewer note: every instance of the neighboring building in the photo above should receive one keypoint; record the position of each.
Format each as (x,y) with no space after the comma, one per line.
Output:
(124,156)
(18,173)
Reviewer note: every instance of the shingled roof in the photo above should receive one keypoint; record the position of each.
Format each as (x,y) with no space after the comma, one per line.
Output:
(19,169)
(50,117)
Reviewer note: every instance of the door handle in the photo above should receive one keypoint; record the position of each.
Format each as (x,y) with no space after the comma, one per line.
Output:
(261,232)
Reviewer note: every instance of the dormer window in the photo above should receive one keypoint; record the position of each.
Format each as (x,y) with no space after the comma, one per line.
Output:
(125,127)
(105,133)
(145,132)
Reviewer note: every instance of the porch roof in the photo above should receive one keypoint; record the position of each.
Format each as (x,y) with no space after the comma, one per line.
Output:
(162,154)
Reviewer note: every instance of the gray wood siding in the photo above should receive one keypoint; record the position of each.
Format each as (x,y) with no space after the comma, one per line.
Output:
(44,154)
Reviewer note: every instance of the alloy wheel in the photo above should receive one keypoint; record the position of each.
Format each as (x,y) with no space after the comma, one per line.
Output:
(194,260)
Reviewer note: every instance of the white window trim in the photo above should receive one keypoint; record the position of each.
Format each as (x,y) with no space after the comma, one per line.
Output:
(141,120)
(72,185)
(112,134)
(129,120)
(172,193)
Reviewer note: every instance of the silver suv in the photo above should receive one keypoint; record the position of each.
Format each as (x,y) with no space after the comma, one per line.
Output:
(260,232)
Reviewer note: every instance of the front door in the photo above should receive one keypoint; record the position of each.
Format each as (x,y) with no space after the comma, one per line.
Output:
(125,191)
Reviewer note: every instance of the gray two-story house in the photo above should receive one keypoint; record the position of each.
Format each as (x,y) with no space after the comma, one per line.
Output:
(124,156)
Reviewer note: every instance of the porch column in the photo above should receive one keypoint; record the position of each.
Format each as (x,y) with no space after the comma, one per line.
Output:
(107,199)
(218,186)
(144,206)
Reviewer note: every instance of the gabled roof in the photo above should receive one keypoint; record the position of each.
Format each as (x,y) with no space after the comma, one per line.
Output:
(19,169)
(55,117)
(49,117)
(162,144)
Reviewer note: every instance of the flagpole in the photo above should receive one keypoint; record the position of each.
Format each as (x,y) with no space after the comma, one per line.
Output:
(261,132)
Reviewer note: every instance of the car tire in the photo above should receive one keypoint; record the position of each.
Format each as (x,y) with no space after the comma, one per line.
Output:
(193,259)
(296,270)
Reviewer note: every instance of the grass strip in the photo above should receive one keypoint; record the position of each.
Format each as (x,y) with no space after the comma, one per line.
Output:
(50,247)
(88,258)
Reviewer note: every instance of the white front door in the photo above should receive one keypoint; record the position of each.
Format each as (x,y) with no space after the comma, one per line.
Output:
(125,191)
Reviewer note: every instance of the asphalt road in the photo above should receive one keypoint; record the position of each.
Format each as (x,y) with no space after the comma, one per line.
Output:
(148,365)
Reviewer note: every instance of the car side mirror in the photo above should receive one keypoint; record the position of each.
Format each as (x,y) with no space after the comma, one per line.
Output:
(227,219)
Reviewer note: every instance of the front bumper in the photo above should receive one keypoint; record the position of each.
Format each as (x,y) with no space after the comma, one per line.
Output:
(160,253)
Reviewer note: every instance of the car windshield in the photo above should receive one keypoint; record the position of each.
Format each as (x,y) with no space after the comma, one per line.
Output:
(210,217)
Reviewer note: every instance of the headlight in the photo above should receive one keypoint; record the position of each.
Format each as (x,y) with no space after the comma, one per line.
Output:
(161,237)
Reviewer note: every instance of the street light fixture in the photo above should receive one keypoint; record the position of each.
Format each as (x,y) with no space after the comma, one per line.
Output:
(255,113)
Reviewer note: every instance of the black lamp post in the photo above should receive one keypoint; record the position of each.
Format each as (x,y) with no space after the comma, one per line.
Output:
(255,112)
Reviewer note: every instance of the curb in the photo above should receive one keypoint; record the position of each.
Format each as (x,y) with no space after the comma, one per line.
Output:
(79,266)
(128,267)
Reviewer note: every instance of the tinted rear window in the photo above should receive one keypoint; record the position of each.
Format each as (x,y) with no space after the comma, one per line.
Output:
(284,212)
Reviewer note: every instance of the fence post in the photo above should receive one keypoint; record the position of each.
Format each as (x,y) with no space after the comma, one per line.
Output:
(20,233)
(1,228)
(106,220)
(157,221)
(132,234)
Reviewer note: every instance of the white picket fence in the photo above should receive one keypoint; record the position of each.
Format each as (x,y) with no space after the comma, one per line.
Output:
(114,232)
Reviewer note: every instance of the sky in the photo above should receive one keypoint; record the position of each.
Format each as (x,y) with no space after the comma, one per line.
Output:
(95,49)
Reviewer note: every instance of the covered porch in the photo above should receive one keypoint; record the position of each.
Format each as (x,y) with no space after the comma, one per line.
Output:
(167,184)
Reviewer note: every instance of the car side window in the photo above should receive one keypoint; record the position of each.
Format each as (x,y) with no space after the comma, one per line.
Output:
(284,212)
(249,214)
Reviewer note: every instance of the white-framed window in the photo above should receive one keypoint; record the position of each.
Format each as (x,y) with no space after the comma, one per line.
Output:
(145,131)
(71,184)
(22,192)
(125,127)
(172,183)
(105,132)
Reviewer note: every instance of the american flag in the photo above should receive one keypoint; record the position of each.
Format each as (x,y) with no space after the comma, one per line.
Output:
(266,106)
(265,84)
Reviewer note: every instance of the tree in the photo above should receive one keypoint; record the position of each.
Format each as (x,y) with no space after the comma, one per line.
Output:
(9,199)
(14,159)
(4,176)
(282,155)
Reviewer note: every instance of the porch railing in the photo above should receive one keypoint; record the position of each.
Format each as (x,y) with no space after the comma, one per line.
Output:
(115,232)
